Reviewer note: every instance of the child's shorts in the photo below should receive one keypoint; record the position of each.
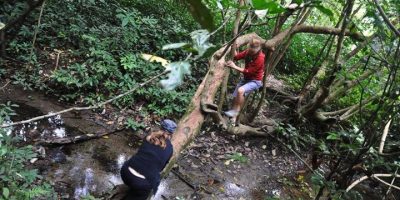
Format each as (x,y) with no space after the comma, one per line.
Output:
(248,85)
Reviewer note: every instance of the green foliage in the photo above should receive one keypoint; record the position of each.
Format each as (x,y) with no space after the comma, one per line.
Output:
(2,71)
(238,157)
(101,49)
(300,59)
(272,6)
(16,180)
(201,14)
(134,125)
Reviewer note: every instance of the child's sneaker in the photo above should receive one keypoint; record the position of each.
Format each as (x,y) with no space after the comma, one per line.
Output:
(231,113)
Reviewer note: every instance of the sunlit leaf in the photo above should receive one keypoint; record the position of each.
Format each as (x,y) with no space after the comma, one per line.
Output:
(153,58)
(176,75)
(125,21)
(2,25)
(219,5)
(201,14)
(332,136)
(174,45)
(6,192)
(260,13)
(272,6)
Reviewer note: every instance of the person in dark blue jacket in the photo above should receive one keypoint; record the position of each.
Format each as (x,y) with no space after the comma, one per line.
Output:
(142,171)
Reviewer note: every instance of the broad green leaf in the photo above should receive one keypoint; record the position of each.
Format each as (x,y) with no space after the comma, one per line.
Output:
(332,136)
(219,5)
(125,21)
(6,192)
(174,45)
(324,10)
(201,14)
(272,6)
(175,77)
(3,151)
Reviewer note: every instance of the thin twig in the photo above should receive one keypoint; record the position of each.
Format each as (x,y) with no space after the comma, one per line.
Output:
(5,85)
(87,107)
(384,135)
(295,153)
(375,176)
(57,60)
(37,29)
(74,139)
(180,176)
(185,180)
(386,183)
(386,19)
(222,25)
(394,178)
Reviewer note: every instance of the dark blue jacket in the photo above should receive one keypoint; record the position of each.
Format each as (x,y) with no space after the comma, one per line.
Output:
(150,160)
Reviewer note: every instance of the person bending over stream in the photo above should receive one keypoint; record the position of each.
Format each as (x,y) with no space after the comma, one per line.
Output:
(142,171)
(253,73)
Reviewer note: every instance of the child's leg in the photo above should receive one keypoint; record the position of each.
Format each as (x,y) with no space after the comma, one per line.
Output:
(139,188)
(236,100)
(241,93)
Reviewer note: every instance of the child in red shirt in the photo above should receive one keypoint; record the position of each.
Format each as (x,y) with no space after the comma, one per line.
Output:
(253,73)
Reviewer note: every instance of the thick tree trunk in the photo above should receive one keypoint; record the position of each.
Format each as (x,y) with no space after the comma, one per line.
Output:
(191,122)
(310,109)
(233,50)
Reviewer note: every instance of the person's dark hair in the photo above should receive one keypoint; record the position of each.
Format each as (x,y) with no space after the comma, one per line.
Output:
(158,138)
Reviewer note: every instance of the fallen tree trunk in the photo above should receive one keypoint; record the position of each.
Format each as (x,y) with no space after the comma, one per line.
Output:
(72,140)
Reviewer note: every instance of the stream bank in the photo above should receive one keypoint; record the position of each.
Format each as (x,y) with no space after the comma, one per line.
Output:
(216,166)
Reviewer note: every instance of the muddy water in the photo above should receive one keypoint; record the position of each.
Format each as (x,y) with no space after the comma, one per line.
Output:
(92,167)
(79,169)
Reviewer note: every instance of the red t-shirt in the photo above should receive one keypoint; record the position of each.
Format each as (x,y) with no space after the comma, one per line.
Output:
(254,68)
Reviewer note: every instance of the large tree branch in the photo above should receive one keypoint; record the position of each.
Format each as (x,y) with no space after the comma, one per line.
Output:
(386,19)
(273,42)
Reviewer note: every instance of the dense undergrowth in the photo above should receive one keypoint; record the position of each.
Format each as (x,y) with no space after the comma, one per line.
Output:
(90,51)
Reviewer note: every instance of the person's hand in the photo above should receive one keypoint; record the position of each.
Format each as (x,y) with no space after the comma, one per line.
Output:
(229,63)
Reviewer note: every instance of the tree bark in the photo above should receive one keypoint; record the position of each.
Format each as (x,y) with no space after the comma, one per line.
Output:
(310,109)
(191,122)
(233,50)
